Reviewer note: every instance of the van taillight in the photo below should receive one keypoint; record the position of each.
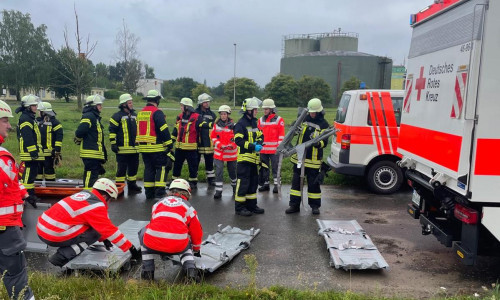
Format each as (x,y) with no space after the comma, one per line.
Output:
(465,214)
(345,142)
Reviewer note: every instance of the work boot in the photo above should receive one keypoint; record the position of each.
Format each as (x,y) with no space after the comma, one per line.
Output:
(193,184)
(218,195)
(241,209)
(58,260)
(315,210)
(148,275)
(292,209)
(275,189)
(264,188)
(150,193)
(252,206)
(160,192)
(192,276)
(133,188)
(211,181)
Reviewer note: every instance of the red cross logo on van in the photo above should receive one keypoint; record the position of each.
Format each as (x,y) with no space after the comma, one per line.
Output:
(420,83)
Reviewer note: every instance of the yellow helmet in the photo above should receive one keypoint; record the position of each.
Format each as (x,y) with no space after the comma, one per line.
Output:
(5,110)
(153,95)
(187,102)
(181,184)
(314,105)
(107,186)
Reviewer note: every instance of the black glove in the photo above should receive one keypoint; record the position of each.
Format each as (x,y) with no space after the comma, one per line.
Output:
(319,178)
(31,200)
(317,145)
(114,148)
(57,159)
(136,254)
(77,140)
(34,154)
(197,253)
(251,147)
(108,245)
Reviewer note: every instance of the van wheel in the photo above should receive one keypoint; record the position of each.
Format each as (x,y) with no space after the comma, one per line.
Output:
(384,177)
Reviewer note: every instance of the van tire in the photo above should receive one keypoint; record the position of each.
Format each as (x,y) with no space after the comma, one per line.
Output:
(384,177)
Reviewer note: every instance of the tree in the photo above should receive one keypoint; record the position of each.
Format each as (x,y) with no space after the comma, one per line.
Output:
(25,53)
(313,87)
(351,84)
(179,87)
(218,90)
(245,88)
(283,90)
(62,78)
(198,90)
(149,72)
(127,54)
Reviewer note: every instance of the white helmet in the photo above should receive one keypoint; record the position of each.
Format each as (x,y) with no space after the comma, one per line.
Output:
(46,107)
(124,98)
(107,186)
(153,95)
(225,108)
(204,98)
(268,103)
(314,105)
(94,100)
(181,184)
(187,102)
(29,100)
(5,110)
(251,103)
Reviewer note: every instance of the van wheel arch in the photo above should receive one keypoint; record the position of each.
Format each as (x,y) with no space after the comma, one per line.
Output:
(383,175)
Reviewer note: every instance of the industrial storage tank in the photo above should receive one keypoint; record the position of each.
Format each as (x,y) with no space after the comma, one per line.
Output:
(337,42)
(297,46)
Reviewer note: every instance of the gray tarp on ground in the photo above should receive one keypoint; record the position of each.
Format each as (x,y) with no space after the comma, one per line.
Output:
(97,258)
(349,245)
(221,247)
(30,219)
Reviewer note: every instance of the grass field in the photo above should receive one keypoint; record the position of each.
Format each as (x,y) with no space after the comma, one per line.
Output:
(72,166)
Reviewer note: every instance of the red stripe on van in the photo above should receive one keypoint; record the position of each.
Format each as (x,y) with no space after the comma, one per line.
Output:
(381,123)
(438,147)
(487,158)
(374,122)
(391,120)
(359,134)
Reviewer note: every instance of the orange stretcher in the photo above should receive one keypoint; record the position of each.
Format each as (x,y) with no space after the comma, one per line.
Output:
(64,187)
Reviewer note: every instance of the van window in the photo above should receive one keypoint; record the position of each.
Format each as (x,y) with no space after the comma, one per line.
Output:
(397,104)
(342,109)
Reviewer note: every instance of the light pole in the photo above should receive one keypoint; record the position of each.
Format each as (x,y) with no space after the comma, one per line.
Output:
(234,77)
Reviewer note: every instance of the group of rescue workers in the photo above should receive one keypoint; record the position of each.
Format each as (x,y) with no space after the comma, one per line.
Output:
(77,221)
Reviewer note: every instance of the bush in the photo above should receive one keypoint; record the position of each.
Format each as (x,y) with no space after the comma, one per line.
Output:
(112,94)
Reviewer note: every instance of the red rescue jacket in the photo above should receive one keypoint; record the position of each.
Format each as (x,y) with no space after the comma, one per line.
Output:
(222,137)
(273,128)
(173,223)
(186,131)
(75,214)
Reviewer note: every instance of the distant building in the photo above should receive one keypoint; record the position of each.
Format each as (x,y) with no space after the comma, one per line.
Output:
(97,90)
(398,78)
(144,85)
(44,94)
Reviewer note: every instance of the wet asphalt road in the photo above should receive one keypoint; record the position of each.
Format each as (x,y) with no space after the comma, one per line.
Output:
(290,253)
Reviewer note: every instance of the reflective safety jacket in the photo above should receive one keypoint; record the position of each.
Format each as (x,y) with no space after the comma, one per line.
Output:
(90,130)
(51,131)
(273,128)
(208,117)
(153,135)
(123,131)
(246,133)
(173,223)
(223,140)
(12,191)
(186,131)
(77,213)
(311,128)
(28,134)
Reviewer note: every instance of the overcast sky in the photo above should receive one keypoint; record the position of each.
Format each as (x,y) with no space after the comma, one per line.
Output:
(194,38)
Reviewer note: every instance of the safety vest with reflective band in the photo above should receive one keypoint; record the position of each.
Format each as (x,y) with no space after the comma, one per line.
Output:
(12,191)
(273,128)
(153,135)
(77,213)
(123,131)
(223,137)
(173,224)
(246,133)
(29,136)
(186,131)
(90,130)
(312,128)
(51,131)
(208,117)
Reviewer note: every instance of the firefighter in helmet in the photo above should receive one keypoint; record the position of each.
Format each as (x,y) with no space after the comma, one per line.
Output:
(174,229)
(186,131)
(205,146)
(51,131)
(12,243)
(225,150)
(155,144)
(249,139)
(314,124)
(273,128)
(90,136)
(30,144)
(122,135)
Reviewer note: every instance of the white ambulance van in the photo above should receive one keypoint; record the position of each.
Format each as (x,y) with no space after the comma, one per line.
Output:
(450,127)
(367,138)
